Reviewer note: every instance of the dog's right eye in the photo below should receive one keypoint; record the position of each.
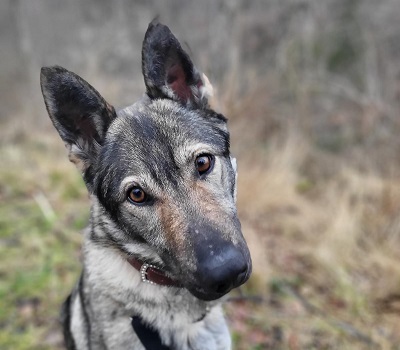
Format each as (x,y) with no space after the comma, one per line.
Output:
(204,163)
(136,195)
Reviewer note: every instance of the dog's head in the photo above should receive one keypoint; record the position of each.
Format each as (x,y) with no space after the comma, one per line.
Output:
(160,169)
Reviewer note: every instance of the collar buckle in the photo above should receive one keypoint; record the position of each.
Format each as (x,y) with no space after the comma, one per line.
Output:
(143,273)
(152,274)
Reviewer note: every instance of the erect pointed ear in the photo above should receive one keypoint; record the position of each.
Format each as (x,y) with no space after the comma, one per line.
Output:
(168,71)
(78,112)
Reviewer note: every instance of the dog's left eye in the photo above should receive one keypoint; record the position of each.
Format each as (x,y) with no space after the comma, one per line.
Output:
(204,163)
(136,195)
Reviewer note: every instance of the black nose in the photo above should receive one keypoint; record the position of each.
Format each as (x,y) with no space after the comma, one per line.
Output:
(222,269)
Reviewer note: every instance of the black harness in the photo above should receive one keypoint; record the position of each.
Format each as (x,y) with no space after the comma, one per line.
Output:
(147,335)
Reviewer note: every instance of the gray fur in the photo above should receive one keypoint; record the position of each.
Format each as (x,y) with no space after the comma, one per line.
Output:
(187,221)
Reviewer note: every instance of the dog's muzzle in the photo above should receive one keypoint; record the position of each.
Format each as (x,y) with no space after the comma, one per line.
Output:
(221,260)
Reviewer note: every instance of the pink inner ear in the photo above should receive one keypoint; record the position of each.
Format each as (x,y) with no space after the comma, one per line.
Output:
(176,80)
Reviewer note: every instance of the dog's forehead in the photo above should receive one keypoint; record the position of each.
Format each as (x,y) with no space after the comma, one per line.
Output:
(164,125)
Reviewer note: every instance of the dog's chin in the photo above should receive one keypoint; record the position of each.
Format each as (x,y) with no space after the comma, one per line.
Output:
(201,294)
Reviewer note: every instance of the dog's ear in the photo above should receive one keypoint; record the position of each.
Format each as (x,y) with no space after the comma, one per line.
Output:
(168,70)
(78,112)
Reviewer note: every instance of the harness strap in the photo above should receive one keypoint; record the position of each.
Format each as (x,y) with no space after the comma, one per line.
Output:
(147,335)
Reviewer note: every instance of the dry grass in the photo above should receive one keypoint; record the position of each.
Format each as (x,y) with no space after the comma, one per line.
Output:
(324,235)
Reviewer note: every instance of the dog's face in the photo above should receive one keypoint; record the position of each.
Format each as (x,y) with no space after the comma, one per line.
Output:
(160,169)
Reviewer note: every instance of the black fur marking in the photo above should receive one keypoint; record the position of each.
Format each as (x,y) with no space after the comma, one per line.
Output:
(66,322)
(148,336)
(84,307)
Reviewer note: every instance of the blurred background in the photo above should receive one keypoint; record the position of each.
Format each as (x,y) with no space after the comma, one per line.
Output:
(311,89)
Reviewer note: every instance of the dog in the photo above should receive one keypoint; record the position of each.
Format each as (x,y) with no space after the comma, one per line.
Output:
(164,242)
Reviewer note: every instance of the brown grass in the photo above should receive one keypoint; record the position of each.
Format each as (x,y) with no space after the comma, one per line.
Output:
(323,229)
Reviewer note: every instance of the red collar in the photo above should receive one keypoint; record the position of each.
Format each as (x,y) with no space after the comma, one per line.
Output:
(151,274)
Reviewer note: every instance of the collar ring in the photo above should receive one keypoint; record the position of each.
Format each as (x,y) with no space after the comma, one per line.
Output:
(143,273)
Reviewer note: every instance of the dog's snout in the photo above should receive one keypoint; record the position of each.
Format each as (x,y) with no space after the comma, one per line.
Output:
(228,279)
(222,261)
(224,271)
(219,273)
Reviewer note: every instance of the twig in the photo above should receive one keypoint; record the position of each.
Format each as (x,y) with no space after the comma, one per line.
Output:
(44,206)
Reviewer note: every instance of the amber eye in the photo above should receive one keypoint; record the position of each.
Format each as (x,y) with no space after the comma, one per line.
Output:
(136,195)
(204,163)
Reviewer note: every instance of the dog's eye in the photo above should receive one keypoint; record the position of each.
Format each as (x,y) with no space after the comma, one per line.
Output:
(136,195)
(204,163)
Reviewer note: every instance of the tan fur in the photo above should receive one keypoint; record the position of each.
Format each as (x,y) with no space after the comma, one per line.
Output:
(173,223)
